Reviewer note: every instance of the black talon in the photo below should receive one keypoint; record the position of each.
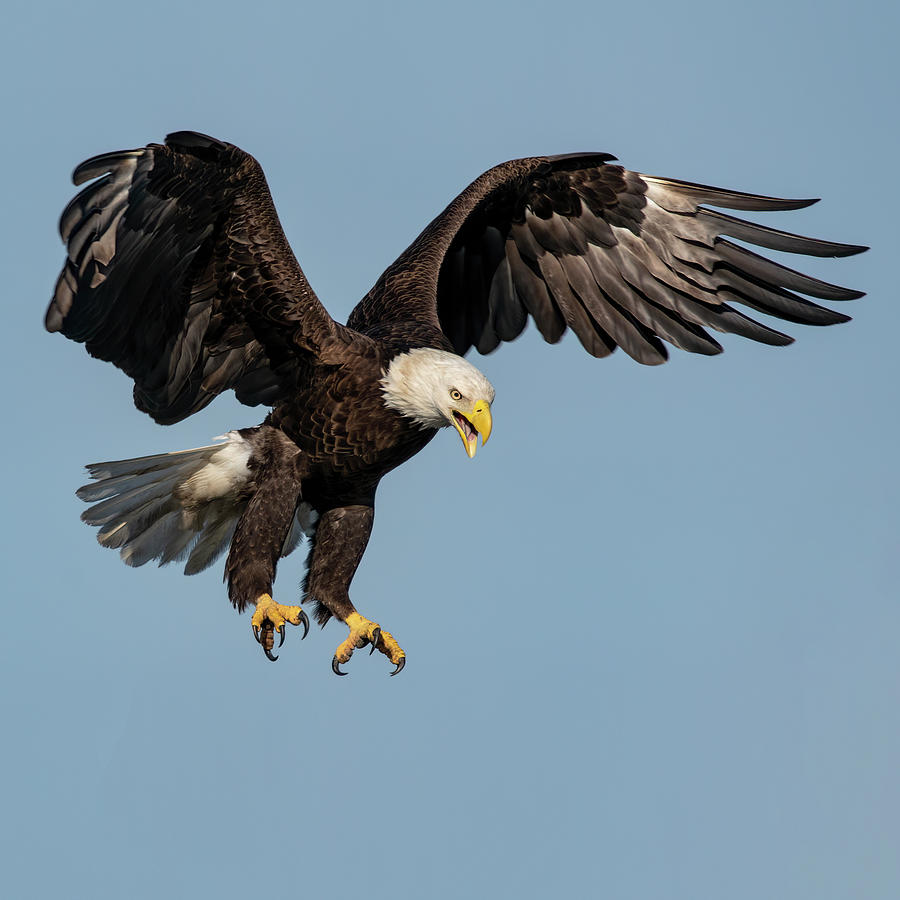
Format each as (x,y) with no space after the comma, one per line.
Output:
(375,635)
(256,635)
(281,636)
(400,666)
(336,667)
(269,655)
(304,621)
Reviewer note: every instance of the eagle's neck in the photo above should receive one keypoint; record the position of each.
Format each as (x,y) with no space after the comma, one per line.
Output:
(410,383)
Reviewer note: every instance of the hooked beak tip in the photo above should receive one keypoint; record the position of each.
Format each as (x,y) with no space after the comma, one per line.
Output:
(480,422)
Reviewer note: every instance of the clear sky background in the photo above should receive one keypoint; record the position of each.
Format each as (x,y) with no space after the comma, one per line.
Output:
(652,629)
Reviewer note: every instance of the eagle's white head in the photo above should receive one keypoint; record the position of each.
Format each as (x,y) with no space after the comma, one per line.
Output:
(435,389)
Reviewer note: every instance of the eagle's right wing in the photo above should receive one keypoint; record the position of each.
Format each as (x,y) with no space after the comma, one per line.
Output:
(179,273)
(622,259)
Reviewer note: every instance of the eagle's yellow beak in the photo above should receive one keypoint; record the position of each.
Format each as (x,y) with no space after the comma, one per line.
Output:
(470,424)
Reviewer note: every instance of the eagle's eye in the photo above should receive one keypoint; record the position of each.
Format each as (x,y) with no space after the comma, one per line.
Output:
(455,394)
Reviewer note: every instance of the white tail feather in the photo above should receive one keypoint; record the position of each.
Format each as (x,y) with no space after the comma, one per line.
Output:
(178,506)
(172,506)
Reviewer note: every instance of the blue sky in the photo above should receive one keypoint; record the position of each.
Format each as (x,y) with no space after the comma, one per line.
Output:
(676,672)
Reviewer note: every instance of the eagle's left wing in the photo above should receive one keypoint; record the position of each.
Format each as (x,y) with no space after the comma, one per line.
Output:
(179,273)
(620,258)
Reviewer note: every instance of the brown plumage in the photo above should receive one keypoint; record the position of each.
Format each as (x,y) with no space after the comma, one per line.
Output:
(179,273)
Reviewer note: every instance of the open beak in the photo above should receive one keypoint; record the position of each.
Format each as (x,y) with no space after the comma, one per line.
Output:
(472,423)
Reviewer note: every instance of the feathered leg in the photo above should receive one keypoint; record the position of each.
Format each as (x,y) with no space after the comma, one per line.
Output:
(258,542)
(341,538)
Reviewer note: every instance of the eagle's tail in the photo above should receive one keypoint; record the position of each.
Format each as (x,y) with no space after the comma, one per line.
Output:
(174,506)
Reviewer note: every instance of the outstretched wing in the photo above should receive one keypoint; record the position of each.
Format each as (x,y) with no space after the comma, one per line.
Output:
(620,258)
(179,273)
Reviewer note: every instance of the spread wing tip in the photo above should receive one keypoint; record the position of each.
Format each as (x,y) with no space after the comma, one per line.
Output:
(101,164)
(715,196)
(850,250)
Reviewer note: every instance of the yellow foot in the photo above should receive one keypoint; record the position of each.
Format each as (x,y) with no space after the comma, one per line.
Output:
(271,617)
(362,632)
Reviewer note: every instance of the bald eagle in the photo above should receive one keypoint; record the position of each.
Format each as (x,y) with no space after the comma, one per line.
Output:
(178,272)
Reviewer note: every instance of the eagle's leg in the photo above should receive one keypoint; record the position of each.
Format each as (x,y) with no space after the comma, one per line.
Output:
(258,541)
(341,538)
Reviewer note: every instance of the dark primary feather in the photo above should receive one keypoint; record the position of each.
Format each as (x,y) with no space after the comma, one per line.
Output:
(179,273)
(620,258)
